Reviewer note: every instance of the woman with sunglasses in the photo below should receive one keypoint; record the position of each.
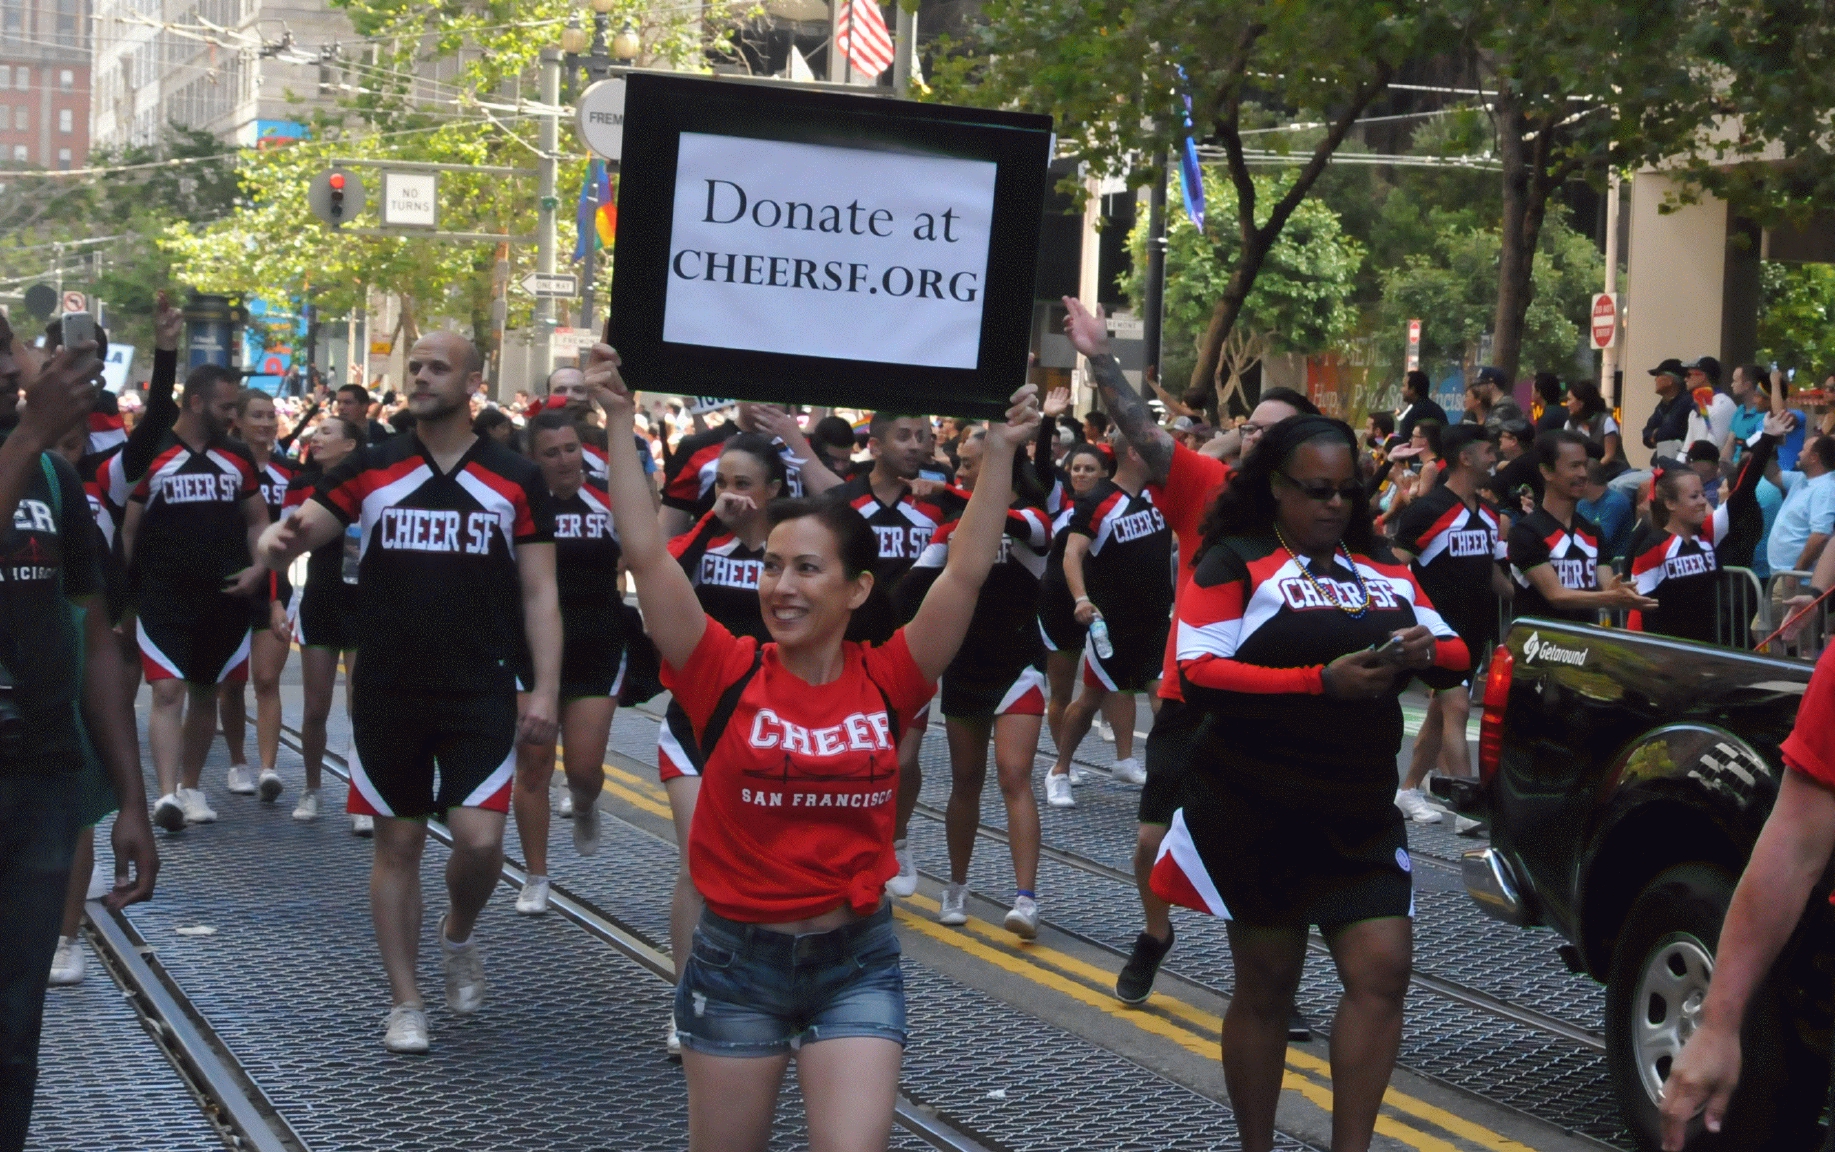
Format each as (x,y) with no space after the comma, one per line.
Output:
(1295,637)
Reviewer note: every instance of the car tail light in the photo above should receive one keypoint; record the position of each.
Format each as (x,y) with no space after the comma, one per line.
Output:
(1491,723)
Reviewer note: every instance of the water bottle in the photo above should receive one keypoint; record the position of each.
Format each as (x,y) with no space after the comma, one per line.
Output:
(353,551)
(1099,636)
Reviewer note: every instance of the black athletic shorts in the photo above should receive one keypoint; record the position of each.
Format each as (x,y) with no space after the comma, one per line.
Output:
(199,636)
(969,697)
(587,670)
(1269,865)
(399,738)
(1169,751)
(325,620)
(1139,659)
(1058,622)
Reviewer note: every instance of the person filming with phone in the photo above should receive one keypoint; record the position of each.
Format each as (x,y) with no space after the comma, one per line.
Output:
(1296,635)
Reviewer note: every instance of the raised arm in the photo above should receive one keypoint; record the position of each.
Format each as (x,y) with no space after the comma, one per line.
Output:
(162,410)
(774,421)
(672,614)
(1090,336)
(1739,522)
(936,632)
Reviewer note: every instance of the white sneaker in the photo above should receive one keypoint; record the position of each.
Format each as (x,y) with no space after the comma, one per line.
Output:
(241,780)
(533,900)
(197,809)
(169,814)
(673,1043)
(1023,919)
(101,881)
(1415,806)
(1104,730)
(563,802)
(308,806)
(1057,791)
(955,901)
(269,786)
(586,829)
(464,972)
(1129,771)
(905,883)
(1078,777)
(362,825)
(407,1032)
(67,962)
(1466,826)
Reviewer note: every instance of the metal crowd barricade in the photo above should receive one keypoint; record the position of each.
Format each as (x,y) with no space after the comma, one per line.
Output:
(1742,609)
(1809,641)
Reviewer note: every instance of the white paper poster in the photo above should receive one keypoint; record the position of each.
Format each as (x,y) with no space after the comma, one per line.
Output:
(814,250)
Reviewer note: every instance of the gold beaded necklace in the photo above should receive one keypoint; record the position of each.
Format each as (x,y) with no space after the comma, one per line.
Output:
(1330,595)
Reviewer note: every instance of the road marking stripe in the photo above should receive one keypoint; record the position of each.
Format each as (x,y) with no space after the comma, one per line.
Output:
(1071,971)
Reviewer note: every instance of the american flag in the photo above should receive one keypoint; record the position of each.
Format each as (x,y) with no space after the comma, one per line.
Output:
(870,52)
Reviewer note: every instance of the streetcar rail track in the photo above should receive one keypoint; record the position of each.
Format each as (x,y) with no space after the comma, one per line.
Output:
(1453,990)
(230,1099)
(915,1116)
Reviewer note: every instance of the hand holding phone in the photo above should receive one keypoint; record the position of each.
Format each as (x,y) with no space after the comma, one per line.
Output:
(1389,650)
(79,328)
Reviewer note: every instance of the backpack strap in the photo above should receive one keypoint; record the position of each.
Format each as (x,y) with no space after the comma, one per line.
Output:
(727,705)
(57,490)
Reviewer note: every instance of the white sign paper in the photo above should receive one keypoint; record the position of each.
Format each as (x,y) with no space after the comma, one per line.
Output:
(116,365)
(813,250)
(408,199)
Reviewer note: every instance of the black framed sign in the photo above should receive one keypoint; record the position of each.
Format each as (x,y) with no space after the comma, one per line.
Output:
(816,247)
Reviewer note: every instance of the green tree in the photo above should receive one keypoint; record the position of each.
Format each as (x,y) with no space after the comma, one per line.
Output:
(1301,301)
(1452,289)
(1797,318)
(1575,87)
(1114,73)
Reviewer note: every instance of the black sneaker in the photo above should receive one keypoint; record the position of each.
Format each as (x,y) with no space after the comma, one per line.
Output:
(1135,983)
(1298,1029)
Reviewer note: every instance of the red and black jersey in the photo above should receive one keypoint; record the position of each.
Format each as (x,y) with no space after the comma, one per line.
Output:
(688,474)
(275,480)
(902,530)
(1128,570)
(724,573)
(1681,573)
(193,534)
(1455,546)
(800,786)
(106,488)
(1573,550)
(324,564)
(1003,635)
(586,555)
(439,607)
(1255,632)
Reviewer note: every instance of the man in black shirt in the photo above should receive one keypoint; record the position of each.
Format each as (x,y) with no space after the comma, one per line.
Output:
(50,567)
(1451,536)
(456,568)
(1669,419)
(1554,553)
(1417,405)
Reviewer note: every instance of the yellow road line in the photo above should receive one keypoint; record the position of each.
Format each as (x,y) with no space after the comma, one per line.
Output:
(1189,1026)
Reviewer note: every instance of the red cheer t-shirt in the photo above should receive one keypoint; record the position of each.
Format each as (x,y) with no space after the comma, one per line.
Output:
(797,799)
(1810,748)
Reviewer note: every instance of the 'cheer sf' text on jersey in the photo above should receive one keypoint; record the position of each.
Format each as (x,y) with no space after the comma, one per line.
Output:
(1128,569)
(193,534)
(439,605)
(1571,550)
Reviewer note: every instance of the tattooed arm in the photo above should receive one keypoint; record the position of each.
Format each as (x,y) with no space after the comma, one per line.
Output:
(1090,335)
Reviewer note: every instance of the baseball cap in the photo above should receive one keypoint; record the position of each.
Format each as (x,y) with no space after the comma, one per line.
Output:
(1490,375)
(1669,367)
(1707,364)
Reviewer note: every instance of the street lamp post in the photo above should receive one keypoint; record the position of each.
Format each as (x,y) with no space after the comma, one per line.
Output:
(596,60)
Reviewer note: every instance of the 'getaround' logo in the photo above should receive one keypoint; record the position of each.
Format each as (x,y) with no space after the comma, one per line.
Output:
(1535,648)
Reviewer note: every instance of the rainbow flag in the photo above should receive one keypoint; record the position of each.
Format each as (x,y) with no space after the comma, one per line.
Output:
(596,215)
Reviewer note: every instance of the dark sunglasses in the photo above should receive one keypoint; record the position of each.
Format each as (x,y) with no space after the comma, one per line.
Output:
(1323,490)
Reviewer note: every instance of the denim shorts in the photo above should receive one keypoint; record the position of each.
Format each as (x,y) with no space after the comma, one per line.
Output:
(749,991)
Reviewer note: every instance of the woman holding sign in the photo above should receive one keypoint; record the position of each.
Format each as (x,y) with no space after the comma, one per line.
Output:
(791,843)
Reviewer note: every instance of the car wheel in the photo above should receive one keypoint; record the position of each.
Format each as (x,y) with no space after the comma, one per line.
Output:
(1660,970)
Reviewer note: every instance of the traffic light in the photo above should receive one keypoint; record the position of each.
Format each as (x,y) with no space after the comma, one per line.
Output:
(336,196)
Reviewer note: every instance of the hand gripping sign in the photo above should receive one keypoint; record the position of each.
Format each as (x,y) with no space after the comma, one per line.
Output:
(784,244)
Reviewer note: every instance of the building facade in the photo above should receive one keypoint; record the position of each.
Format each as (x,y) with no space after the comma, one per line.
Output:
(44,83)
(242,70)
